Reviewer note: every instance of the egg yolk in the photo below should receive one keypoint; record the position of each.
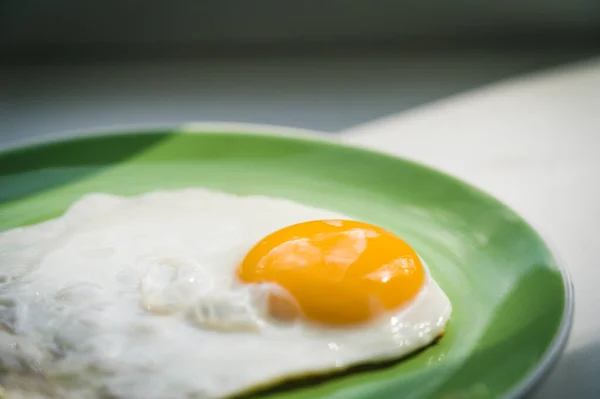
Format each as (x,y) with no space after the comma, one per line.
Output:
(336,272)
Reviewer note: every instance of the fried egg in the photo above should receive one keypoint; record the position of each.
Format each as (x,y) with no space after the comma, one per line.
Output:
(203,294)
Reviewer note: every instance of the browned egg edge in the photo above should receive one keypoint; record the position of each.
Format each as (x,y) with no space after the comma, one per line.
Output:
(313,378)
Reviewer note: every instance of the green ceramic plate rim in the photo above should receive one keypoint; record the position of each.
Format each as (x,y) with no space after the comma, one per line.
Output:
(527,384)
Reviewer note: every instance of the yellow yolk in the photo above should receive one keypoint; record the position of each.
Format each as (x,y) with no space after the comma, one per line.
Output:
(337,272)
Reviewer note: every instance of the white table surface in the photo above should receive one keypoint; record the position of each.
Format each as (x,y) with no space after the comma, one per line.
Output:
(532,142)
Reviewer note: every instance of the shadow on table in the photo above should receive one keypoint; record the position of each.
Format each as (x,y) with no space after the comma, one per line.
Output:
(577,375)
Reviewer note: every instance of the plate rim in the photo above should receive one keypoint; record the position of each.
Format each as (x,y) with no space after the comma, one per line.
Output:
(528,382)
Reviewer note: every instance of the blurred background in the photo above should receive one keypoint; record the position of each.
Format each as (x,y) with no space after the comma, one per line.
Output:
(326,65)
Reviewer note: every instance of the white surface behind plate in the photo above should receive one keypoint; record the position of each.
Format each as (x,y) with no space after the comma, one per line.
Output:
(533,143)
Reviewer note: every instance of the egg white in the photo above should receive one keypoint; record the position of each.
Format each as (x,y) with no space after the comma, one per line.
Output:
(136,297)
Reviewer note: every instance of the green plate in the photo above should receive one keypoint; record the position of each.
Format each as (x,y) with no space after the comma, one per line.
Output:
(512,301)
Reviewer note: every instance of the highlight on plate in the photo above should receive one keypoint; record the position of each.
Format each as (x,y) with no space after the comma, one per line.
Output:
(201,294)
